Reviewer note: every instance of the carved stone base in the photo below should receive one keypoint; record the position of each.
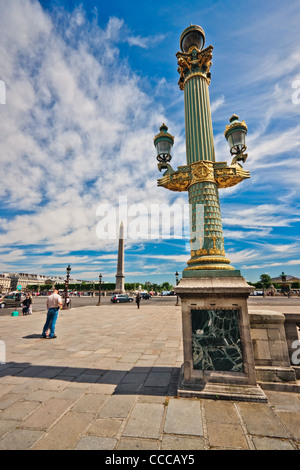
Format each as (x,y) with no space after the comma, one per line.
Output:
(218,353)
(220,391)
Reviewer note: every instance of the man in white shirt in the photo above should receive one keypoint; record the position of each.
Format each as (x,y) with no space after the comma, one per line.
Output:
(54,303)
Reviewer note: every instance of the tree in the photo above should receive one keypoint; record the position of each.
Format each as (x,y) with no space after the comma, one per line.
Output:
(265,279)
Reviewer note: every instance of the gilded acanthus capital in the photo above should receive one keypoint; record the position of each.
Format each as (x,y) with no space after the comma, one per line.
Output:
(194,62)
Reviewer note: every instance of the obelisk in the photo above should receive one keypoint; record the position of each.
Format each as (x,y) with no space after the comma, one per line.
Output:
(120,276)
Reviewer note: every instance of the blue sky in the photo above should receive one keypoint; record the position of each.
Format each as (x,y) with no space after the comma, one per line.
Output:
(89,83)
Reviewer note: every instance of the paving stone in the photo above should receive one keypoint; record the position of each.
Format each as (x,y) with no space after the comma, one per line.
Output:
(7,425)
(226,436)
(102,389)
(269,443)
(40,395)
(158,379)
(132,377)
(220,412)
(108,427)
(117,406)
(96,443)
(113,377)
(64,434)
(20,439)
(5,389)
(260,419)
(127,443)
(170,442)
(70,393)
(20,410)
(184,417)
(7,400)
(47,414)
(91,402)
(145,421)
(291,422)
(283,401)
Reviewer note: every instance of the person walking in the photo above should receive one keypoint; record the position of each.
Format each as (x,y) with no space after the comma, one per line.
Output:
(27,305)
(138,300)
(30,304)
(54,303)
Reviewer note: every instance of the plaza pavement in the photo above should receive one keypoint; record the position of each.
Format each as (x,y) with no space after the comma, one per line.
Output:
(108,382)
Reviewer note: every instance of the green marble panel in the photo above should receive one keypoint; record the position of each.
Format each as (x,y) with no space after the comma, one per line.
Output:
(216,341)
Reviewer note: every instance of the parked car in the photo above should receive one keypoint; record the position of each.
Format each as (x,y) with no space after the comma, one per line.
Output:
(146,296)
(117,298)
(11,300)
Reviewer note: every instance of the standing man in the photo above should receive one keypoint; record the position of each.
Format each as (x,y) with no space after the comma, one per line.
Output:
(138,299)
(54,303)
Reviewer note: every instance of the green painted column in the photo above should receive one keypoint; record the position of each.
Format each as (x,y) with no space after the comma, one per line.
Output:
(198,125)
(201,176)
(207,250)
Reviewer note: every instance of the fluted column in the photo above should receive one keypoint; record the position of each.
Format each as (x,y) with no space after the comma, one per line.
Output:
(208,252)
(198,125)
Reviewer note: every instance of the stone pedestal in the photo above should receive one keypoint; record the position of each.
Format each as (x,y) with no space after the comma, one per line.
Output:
(271,353)
(218,353)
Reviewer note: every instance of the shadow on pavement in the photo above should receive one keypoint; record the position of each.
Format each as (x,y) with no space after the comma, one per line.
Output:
(159,381)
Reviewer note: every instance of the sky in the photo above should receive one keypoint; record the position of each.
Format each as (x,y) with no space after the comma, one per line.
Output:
(84,88)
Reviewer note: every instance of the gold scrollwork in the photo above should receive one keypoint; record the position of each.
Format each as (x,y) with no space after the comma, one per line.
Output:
(193,63)
(228,176)
(202,171)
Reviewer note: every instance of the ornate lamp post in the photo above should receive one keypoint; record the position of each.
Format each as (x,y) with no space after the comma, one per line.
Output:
(66,306)
(100,281)
(216,331)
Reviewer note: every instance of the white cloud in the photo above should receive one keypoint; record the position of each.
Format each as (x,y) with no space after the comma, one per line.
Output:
(145,42)
(77,125)
(217,103)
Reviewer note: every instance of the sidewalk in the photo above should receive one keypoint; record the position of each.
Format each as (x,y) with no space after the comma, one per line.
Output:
(108,381)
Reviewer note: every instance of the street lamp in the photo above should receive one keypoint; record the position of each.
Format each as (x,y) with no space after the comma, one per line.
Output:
(235,134)
(163,142)
(177,280)
(100,280)
(66,306)
(192,36)
(211,291)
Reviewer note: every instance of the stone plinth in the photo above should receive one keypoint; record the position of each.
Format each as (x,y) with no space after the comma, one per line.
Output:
(218,353)
(271,354)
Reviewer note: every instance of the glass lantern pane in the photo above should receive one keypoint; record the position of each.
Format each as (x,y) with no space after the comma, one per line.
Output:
(238,138)
(230,141)
(192,39)
(163,146)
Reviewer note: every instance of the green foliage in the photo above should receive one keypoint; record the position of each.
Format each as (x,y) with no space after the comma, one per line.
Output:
(105,286)
(265,280)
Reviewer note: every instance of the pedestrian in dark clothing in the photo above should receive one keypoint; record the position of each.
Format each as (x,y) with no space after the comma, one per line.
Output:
(27,304)
(138,299)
